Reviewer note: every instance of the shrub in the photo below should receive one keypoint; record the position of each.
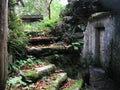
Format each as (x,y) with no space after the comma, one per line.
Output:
(17,40)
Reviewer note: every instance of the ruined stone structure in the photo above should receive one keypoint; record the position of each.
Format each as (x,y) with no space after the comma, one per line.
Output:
(102,45)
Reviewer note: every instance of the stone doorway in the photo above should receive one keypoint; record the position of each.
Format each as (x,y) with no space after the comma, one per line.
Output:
(99,45)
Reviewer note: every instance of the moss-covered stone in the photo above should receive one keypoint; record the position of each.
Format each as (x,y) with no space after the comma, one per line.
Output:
(43,40)
(50,50)
(77,85)
(29,73)
(14,88)
(55,84)
(99,15)
(32,75)
(70,63)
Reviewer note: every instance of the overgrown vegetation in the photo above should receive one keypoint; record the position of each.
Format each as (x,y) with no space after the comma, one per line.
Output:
(56,8)
(45,25)
(17,39)
(16,66)
(40,7)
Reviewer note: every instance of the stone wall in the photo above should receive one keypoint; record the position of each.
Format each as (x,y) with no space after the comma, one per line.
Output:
(102,45)
(97,39)
(115,60)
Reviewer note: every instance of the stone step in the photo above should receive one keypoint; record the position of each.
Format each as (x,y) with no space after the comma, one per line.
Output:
(32,75)
(43,40)
(55,80)
(52,82)
(52,49)
(32,18)
(72,85)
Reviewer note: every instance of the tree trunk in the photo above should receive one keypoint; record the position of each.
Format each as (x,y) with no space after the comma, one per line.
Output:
(49,9)
(3,42)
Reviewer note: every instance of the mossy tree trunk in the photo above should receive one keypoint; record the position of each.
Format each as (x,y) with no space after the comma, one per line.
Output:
(3,42)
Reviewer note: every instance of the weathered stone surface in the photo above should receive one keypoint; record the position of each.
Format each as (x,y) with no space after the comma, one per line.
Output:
(76,85)
(114,64)
(69,30)
(100,81)
(40,40)
(60,28)
(32,75)
(67,19)
(102,44)
(31,18)
(78,35)
(97,38)
(50,50)
(113,5)
(55,84)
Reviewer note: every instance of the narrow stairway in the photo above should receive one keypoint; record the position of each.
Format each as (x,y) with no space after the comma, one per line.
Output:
(44,75)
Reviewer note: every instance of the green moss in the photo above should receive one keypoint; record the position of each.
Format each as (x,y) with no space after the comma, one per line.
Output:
(99,15)
(30,75)
(55,83)
(53,48)
(14,88)
(57,47)
(76,84)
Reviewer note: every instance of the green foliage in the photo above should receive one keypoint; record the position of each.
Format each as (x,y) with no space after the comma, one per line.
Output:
(56,8)
(17,40)
(77,44)
(15,67)
(46,23)
(15,80)
(12,3)
(41,7)
(35,7)
(34,26)
(45,26)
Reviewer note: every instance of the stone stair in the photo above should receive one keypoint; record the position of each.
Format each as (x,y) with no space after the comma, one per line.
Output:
(47,77)
(52,79)
(39,51)
(32,75)
(43,40)
(48,45)
(55,81)
(72,85)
